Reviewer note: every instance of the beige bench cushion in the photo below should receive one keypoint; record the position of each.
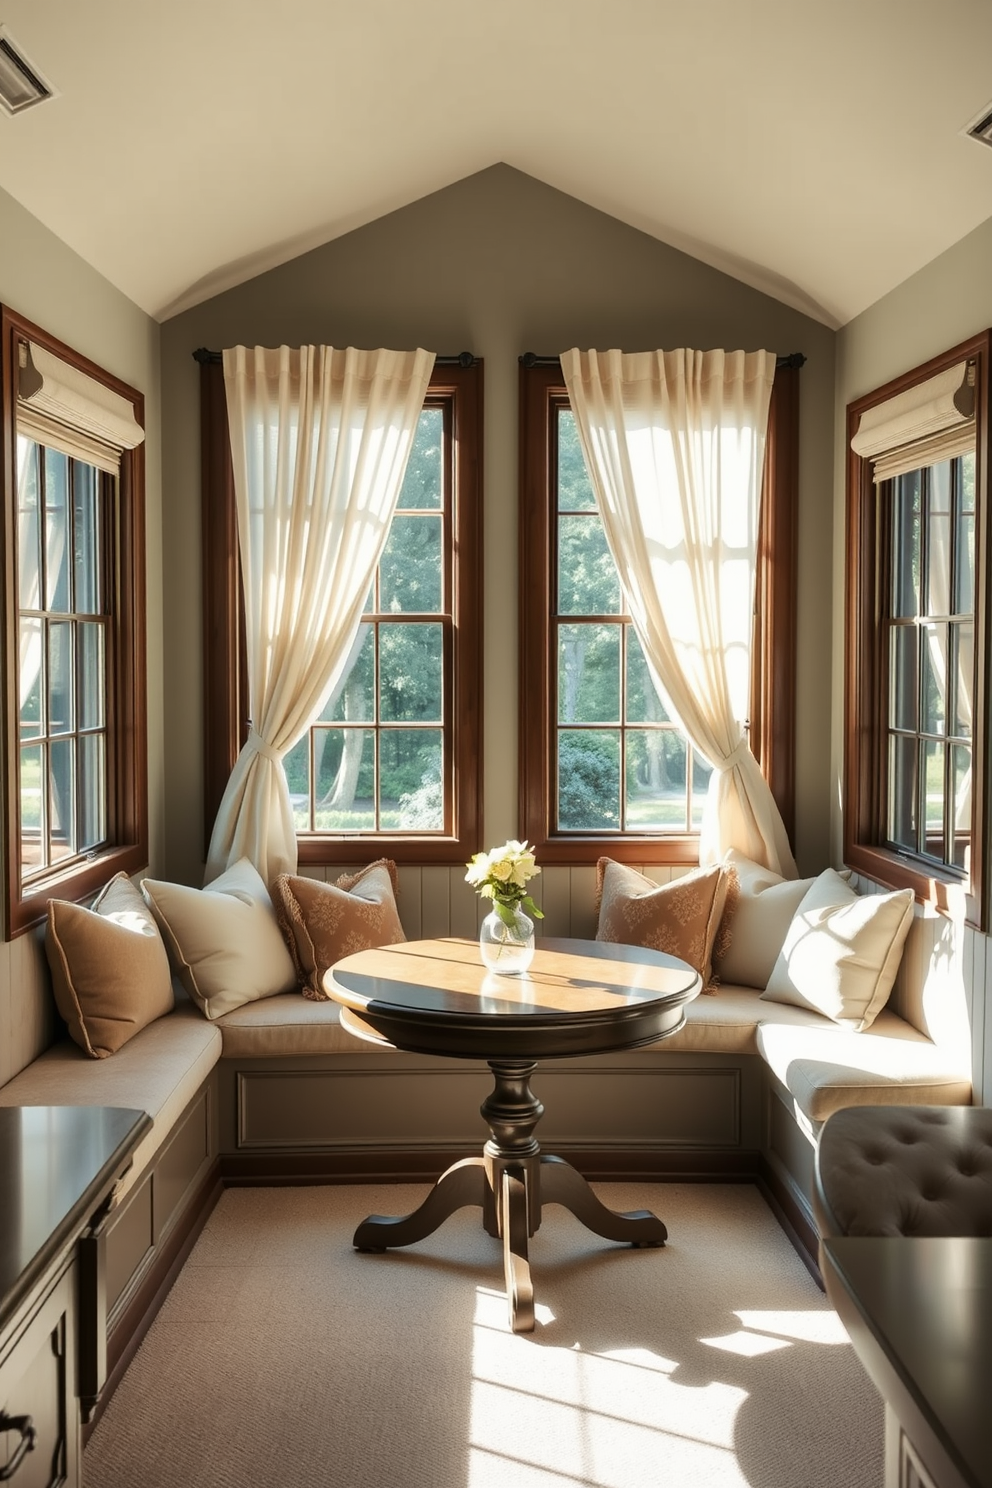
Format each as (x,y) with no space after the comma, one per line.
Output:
(158,1071)
(727,1023)
(285,1026)
(825,1067)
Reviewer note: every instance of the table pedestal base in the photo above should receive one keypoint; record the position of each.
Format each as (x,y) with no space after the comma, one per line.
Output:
(511,1182)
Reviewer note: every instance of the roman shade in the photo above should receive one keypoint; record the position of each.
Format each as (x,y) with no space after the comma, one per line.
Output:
(62,407)
(935,420)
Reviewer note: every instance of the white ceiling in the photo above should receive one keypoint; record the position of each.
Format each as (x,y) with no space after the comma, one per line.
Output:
(813,148)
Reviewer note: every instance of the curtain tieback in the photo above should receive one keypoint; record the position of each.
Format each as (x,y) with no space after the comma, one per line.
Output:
(256,742)
(736,755)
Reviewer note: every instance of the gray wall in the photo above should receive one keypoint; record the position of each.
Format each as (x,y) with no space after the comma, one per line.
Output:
(44,280)
(496,264)
(943,304)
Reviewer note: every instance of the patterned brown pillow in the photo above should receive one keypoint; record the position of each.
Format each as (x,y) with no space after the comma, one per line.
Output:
(681,918)
(322,922)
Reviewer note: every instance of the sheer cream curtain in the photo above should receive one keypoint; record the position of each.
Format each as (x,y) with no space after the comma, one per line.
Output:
(320,440)
(674,443)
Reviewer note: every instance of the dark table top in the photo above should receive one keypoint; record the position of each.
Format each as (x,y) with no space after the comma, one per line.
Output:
(919,1312)
(57,1164)
(578,997)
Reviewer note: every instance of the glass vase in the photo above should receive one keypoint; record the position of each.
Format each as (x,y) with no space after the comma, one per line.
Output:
(507,949)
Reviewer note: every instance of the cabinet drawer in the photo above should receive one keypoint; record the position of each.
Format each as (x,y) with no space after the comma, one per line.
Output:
(37,1380)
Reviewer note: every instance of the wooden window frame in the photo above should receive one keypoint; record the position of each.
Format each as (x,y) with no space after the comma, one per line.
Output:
(225,676)
(126,849)
(773,690)
(865,667)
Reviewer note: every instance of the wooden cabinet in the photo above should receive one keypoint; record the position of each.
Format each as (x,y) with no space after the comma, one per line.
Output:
(59,1167)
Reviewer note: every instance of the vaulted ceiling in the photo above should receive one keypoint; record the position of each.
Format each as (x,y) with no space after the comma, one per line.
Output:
(813,150)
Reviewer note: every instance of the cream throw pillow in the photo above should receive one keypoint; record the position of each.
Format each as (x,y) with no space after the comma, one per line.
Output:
(110,972)
(323,922)
(842,951)
(223,940)
(681,918)
(758,921)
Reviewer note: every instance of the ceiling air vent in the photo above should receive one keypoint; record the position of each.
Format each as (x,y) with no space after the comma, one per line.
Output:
(21,84)
(981,128)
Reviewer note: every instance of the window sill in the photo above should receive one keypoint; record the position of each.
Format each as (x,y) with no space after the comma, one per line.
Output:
(949,896)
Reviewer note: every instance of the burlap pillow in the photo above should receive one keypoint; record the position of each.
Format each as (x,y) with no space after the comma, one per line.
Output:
(110,971)
(681,918)
(223,940)
(322,922)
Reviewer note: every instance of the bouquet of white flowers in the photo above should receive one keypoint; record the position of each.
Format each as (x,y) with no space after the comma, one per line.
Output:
(502,876)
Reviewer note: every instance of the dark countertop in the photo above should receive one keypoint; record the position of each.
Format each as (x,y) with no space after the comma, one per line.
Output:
(919,1312)
(57,1165)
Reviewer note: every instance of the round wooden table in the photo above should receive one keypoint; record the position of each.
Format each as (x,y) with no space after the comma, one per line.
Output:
(578,997)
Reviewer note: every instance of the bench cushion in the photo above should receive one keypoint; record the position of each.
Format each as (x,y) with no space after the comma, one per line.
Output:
(287,1026)
(158,1071)
(825,1067)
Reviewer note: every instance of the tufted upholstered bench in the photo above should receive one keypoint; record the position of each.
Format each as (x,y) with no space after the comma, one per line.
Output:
(910,1170)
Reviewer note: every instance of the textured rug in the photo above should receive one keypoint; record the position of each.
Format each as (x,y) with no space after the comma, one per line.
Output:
(282,1356)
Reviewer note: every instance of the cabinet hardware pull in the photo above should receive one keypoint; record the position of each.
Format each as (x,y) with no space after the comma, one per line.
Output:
(25,1426)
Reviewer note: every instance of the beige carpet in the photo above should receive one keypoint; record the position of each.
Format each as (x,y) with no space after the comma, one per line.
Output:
(282,1356)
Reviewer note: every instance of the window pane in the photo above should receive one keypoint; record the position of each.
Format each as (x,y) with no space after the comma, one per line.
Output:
(934,641)
(410,568)
(354,701)
(60,677)
(62,799)
(411,797)
(906,545)
(91,675)
(575,491)
(344,770)
(589,674)
(964,584)
(643,703)
(701,775)
(30,674)
(587,576)
(56,531)
(28,525)
(297,766)
(933,754)
(939,554)
(588,780)
(92,797)
(903,677)
(902,793)
(656,793)
(85,538)
(961,756)
(422,481)
(32,808)
(411,672)
(963,677)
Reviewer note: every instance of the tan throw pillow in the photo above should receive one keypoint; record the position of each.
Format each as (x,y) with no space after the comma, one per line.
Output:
(223,940)
(842,951)
(681,918)
(110,972)
(323,922)
(757,925)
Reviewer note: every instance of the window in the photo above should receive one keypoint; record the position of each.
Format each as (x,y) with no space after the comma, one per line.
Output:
(604,769)
(914,798)
(74,763)
(393,763)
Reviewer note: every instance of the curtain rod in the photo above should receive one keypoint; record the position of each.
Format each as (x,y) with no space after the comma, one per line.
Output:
(463,358)
(531,359)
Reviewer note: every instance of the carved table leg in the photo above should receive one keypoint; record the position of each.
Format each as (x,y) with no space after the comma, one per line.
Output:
(562,1184)
(464,1183)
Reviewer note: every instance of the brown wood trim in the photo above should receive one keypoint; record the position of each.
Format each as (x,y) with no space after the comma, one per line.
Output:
(864,773)
(541,391)
(773,679)
(226,706)
(127,706)
(791,1216)
(139,1314)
